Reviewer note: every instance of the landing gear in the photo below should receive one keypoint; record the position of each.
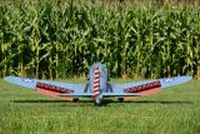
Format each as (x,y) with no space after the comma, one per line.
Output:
(75,99)
(120,99)
(98,102)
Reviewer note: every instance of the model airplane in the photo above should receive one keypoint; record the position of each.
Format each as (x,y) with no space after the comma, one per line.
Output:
(98,86)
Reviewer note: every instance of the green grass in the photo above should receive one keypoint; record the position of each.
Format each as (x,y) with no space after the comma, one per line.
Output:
(172,111)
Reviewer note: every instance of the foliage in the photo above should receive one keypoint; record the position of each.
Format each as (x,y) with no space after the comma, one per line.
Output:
(59,39)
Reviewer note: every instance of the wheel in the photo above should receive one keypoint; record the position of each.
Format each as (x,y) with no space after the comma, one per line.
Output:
(120,99)
(75,99)
(98,102)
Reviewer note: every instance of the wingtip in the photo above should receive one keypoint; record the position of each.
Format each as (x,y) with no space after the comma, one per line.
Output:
(167,82)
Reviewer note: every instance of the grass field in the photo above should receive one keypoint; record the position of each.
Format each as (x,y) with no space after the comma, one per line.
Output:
(172,111)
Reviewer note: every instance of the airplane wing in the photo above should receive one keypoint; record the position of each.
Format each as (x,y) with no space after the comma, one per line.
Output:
(145,87)
(50,88)
(140,88)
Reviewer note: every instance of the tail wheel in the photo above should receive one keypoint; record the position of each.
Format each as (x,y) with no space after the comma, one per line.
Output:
(120,99)
(98,102)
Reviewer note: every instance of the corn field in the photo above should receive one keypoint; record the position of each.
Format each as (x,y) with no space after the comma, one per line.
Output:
(60,39)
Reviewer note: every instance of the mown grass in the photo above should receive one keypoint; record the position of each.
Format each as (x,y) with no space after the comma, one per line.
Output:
(174,110)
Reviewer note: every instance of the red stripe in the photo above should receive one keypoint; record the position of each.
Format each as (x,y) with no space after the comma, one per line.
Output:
(96,72)
(96,85)
(96,81)
(95,91)
(96,76)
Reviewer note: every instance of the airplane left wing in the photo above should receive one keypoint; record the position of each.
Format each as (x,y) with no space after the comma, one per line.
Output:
(145,87)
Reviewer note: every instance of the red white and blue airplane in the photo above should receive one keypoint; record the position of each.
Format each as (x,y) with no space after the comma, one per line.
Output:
(98,86)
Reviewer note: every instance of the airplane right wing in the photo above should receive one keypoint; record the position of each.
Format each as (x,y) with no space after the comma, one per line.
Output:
(51,88)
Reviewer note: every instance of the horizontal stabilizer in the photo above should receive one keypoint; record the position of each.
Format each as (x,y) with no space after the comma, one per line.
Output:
(76,95)
(120,95)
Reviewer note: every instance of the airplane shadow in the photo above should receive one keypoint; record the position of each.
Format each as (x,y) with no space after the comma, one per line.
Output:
(104,103)
(147,102)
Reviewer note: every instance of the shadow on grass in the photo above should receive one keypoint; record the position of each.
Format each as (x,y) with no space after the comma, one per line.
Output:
(105,102)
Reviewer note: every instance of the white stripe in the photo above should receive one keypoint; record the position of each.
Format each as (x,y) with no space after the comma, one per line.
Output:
(96,84)
(96,80)
(96,71)
(96,76)
(96,89)
(96,93)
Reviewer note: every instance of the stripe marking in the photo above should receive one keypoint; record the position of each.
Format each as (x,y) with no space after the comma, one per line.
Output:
(96,84)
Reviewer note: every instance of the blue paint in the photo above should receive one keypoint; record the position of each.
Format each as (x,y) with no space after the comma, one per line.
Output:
(106,89)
